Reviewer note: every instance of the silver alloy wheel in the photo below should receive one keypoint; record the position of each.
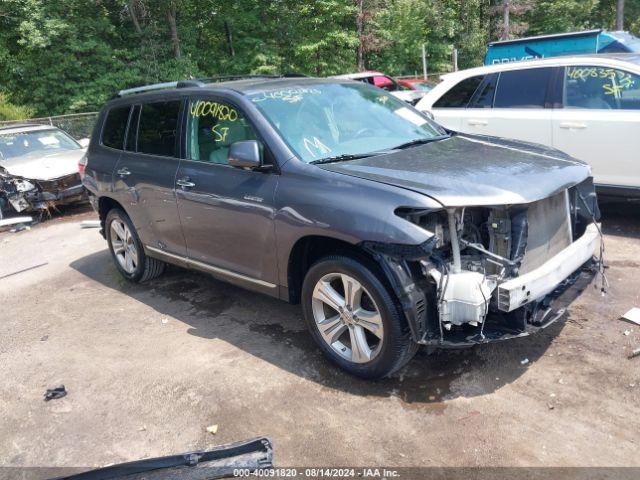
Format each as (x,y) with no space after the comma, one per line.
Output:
(353,332)
(124,248)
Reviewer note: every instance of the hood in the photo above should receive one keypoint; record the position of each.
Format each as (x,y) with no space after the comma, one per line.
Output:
(46,166)
(469,170)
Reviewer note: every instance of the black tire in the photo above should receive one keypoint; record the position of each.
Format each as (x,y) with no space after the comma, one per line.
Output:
(146,267)
(397,346)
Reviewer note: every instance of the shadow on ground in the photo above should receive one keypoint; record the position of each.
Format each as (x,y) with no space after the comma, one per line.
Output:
(275,332)
(620,218)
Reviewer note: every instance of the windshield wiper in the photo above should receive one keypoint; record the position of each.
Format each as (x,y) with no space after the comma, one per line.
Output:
(419,141)
(342,158)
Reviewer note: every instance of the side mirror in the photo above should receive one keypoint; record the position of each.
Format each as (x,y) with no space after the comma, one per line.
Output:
(245,154)
(84,142)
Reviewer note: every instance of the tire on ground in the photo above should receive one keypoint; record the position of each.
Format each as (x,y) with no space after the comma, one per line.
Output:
(147,268)
(397,348)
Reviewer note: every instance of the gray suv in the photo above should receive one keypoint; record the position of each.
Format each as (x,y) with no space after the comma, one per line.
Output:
(390,230)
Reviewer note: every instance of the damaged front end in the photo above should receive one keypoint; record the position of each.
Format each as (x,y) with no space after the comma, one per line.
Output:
(494,272)
(28,195)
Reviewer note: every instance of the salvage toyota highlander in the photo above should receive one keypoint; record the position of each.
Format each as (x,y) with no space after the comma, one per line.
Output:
(390,230)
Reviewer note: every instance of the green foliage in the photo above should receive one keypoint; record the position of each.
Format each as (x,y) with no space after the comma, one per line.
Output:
(9,111)
(62,56)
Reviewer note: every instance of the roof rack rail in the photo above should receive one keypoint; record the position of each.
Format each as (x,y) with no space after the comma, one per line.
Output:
(200,82)
(160,86)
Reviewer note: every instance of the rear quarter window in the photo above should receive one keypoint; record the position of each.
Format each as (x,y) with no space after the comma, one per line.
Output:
(115,127)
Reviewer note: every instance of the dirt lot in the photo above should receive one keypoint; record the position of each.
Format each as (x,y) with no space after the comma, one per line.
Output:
(149,367)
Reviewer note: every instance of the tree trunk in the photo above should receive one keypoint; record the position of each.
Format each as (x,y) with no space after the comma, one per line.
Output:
(620,15)
(360,33)
(505,21)
(227,29)
(171,18)
(134,17)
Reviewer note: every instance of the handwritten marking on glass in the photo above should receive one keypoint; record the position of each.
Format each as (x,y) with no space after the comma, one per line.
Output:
(315,145)
(290,95)
(618,79)
(217,110)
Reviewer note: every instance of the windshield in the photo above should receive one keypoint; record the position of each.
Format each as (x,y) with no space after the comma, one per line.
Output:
(330,120)
(39,142)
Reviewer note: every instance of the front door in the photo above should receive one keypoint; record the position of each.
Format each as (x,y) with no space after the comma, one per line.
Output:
(144,178)
(600,123)
(226,212)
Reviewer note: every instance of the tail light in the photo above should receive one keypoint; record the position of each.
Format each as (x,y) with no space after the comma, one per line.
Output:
(82,165)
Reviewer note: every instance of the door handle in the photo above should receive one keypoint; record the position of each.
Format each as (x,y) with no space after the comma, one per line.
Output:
(185,182)
(573,125)
(481,123)
(123,172)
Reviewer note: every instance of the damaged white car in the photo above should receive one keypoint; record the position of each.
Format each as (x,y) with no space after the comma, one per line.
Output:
(39,169)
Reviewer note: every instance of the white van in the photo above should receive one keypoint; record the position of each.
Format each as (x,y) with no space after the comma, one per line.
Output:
(587,106)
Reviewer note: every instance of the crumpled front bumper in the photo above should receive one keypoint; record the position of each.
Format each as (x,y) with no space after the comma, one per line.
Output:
(42,195)
(536,284)
(519,307)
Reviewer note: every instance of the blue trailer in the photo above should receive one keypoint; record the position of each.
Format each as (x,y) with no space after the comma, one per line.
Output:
(574,43)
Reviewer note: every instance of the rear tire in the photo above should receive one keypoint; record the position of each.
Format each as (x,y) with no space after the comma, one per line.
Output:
(127,250)
(345,304)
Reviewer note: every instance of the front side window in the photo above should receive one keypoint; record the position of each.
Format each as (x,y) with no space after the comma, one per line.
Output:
(326,120)
(601,88)
(157,128)
(114,127)
(212,127)
(523,88)
(460,95)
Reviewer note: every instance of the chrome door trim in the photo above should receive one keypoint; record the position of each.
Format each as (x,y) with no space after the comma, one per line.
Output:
(211,268)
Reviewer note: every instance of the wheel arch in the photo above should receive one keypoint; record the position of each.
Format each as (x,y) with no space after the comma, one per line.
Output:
(309,249)
(105,204)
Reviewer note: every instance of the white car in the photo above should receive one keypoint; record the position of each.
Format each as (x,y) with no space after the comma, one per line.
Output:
(39,168)
(378,79)
(587,106)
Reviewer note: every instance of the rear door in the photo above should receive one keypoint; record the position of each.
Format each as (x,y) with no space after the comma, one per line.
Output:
(226,212)
(144,178)
(599,122)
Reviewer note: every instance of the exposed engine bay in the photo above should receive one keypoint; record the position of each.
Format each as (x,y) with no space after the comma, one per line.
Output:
(19,194)
(494,272)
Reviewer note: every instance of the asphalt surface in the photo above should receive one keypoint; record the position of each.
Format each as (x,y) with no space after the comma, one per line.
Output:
(149,367)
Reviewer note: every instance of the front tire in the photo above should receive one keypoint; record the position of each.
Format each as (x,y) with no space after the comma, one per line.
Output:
(354,318)
(127,250)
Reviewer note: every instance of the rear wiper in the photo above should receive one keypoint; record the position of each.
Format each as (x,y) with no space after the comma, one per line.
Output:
(419,141)
(343,157)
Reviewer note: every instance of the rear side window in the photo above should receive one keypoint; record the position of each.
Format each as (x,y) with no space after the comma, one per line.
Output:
(114,127)
(157,128)
(460,95)
(523,88)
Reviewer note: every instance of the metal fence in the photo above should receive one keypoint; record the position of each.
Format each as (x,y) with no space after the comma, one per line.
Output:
(78,125)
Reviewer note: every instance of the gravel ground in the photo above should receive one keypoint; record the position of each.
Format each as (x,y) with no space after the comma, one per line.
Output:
(149,367)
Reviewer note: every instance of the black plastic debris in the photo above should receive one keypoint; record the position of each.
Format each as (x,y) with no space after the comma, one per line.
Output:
(55,393)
